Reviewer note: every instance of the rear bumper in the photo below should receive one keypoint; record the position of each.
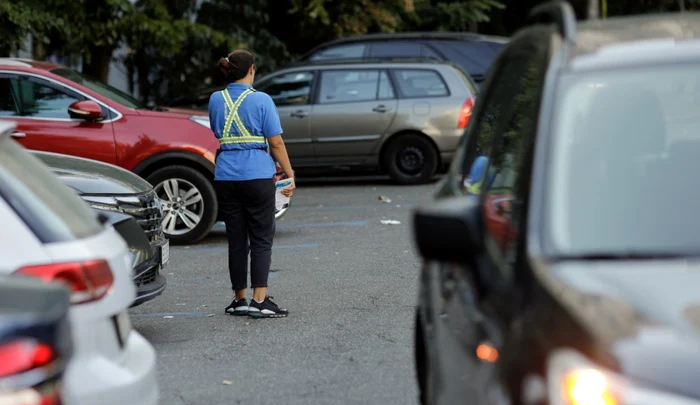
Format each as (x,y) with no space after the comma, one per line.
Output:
(130,380)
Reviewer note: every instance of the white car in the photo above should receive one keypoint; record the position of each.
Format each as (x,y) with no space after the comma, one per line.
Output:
(48,232)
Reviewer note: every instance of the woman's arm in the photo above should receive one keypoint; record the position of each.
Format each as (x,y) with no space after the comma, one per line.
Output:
(279,152)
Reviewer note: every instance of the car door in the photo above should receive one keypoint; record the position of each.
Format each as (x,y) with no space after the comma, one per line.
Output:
(291,92)
(40,109)
(354,108)
(470,320)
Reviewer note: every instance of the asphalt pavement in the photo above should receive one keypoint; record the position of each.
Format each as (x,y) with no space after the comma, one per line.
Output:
(349,282)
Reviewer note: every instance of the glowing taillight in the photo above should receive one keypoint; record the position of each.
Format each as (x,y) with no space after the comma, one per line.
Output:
(466,113)
(87,281)
(23,355)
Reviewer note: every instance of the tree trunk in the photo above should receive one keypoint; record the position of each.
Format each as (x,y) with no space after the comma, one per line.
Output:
(100,59)
(38,49)
(408,5)
(593,9)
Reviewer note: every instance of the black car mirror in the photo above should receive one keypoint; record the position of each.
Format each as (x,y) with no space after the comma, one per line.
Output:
(449,230)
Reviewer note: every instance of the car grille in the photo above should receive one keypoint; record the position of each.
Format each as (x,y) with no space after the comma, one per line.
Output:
(146,277)
(147,211)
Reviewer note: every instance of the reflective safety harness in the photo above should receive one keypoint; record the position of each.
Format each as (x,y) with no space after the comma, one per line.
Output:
(232,118)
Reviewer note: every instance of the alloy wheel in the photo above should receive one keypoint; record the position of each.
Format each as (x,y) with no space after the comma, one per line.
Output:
(183,206)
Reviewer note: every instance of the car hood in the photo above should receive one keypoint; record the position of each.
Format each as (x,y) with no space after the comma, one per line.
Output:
(647,314)
(90,177)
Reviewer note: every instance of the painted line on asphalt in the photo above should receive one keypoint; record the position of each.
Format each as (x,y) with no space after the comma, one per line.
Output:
(161,314)
(225,248)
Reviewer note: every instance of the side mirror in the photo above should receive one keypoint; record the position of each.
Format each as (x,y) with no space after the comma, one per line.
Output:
(86,110)
(450,230)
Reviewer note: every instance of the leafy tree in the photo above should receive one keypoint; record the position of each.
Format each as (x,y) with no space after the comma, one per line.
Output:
(449,15)
(168,53)
(21,19)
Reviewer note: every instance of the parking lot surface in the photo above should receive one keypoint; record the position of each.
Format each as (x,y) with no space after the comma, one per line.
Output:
(349,282)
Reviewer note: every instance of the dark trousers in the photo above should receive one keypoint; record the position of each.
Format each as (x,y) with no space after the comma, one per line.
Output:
(248,209)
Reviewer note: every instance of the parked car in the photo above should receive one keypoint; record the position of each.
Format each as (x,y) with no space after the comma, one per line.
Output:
(35,341)
(474,53)
(406,117)
(588,294)
(50,234)
(111,189)
(60,110)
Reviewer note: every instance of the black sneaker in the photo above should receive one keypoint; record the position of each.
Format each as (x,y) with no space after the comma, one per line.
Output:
(266,309)
(238,308)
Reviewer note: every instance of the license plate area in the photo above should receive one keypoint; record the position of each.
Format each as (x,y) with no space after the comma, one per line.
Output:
(165,253)
(122,324)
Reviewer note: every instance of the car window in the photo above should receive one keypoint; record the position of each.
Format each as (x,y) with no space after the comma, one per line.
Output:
(473,56)
(345,86)
(289,88)
(349,51)
(8,104)
(624,159)
(480,133)
(396,49)
(509,164)
(386,90)
(47,206)
(38,100)
(99,87)
(413,83)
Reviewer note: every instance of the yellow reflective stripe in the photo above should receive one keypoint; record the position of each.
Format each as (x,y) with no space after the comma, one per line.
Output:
(237,119)
(240,139)
(229,117)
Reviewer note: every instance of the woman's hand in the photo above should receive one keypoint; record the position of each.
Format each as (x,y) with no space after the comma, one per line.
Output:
(289,191)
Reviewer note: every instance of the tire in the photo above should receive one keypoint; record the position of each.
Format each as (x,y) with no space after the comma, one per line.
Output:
(411,159)
(421,361)
(186,229)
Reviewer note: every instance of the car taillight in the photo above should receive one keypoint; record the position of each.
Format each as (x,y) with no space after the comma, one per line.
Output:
(88,281)
(23,355)
(466,113)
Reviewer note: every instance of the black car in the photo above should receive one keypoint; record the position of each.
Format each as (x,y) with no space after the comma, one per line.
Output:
(120,195)
(35,340)
(474,53)
(560,260)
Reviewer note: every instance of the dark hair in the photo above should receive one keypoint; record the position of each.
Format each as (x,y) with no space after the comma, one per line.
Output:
(236,65)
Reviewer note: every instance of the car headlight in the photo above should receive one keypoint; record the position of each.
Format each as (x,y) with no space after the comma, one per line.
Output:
(572,379)
(201,120)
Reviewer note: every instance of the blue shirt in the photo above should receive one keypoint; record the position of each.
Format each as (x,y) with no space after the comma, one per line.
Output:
(259,115)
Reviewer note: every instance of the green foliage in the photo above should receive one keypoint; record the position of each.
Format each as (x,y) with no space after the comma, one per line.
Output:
(20,19)
(327,19)
(449,15)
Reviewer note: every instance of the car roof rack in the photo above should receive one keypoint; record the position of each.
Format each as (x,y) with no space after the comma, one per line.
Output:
(558,12)
(347,61)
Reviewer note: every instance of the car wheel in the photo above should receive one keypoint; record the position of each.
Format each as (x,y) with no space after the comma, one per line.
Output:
(189,203)
(411,159)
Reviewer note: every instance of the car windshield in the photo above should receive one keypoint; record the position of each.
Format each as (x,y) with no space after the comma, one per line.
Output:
(625,153)
(99,87)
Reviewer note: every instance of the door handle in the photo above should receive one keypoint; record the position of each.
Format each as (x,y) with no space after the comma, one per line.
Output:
(299,114)
(380,109)
(18,135)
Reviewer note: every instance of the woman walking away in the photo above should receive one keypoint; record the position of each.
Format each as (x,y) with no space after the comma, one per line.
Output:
(245,121)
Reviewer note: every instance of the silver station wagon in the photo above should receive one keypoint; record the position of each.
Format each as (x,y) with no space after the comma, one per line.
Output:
(402,117)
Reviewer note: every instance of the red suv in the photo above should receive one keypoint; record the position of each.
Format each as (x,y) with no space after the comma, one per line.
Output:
(59,110)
